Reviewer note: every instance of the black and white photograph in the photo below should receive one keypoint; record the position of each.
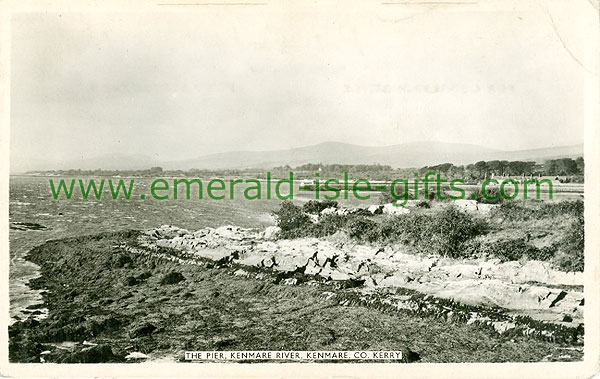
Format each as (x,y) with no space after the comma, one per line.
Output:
(261,185)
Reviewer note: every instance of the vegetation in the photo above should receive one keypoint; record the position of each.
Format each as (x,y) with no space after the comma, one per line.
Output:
(215,310)
(292,220)
(448,231)
(517,249)
(570,255)
(493,196)
(444,232)
(518,211)
(483,169)
(569,169)
(315,206)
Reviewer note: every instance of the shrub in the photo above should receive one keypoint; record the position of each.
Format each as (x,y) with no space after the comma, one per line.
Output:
(446,232)
(434,196)
(516,249)
(450,229)
(315,206)
(385,197)
(172,278)
(411,228)
(545,253)
(562,208)
(123,260)
(519,211)
(389,230)
(472,248)
(423,204)
(365,212)
(571,247)
(328,224)
(514,211)
(292,220)
(362,228)
(130,281)
(493,192)
(401,195)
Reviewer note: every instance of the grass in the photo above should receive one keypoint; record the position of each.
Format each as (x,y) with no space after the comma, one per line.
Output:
(212,309)
(444,232)
(514,230)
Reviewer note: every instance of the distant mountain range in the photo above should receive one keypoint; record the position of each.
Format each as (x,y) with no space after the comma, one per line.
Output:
(414,154)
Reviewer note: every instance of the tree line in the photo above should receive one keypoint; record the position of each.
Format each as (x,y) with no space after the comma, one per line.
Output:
(565,167)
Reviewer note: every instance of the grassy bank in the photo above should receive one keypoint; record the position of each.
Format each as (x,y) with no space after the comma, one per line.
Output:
(513,230)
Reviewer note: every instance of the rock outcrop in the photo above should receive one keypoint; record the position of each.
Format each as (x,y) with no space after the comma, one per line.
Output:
(532,288)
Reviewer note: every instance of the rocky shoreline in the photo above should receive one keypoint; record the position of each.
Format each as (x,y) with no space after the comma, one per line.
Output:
(139,296)
(531,289)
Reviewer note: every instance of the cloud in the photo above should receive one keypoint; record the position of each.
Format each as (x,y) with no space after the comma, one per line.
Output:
(179,85)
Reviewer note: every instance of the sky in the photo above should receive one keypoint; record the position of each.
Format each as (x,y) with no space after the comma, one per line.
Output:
(182,82)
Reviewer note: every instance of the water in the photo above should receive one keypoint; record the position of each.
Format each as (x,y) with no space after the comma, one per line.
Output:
(31,202)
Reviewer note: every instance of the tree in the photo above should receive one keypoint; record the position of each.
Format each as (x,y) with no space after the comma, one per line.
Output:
(580,165)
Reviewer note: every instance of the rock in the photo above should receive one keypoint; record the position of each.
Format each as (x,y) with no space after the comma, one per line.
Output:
(289,282)
(409,356)
(143,276)
(241,273)
(215,253)
(375,209)
(312,268)
(24,226)
(336,275)
(399,279)
(122,260)
(352,283)
(268,262)
(503,326)
(342,211)
(409,203)
(172,278)
(229,231)
(136,355)
(328,211)
(339,238)
(251,260)
(486,208)
(462,271)
(392,209)
(130,281)
(325,254)
(271,232)
(466,205)
(224,341)
(143,330)
(167,231)
(95,354)
(370,282)
(290,263)
(489,283)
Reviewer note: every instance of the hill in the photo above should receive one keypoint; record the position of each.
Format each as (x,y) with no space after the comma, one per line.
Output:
(414,154)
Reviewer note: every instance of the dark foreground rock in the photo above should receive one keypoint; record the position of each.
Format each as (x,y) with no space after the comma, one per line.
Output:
(25,226)
(96,315)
